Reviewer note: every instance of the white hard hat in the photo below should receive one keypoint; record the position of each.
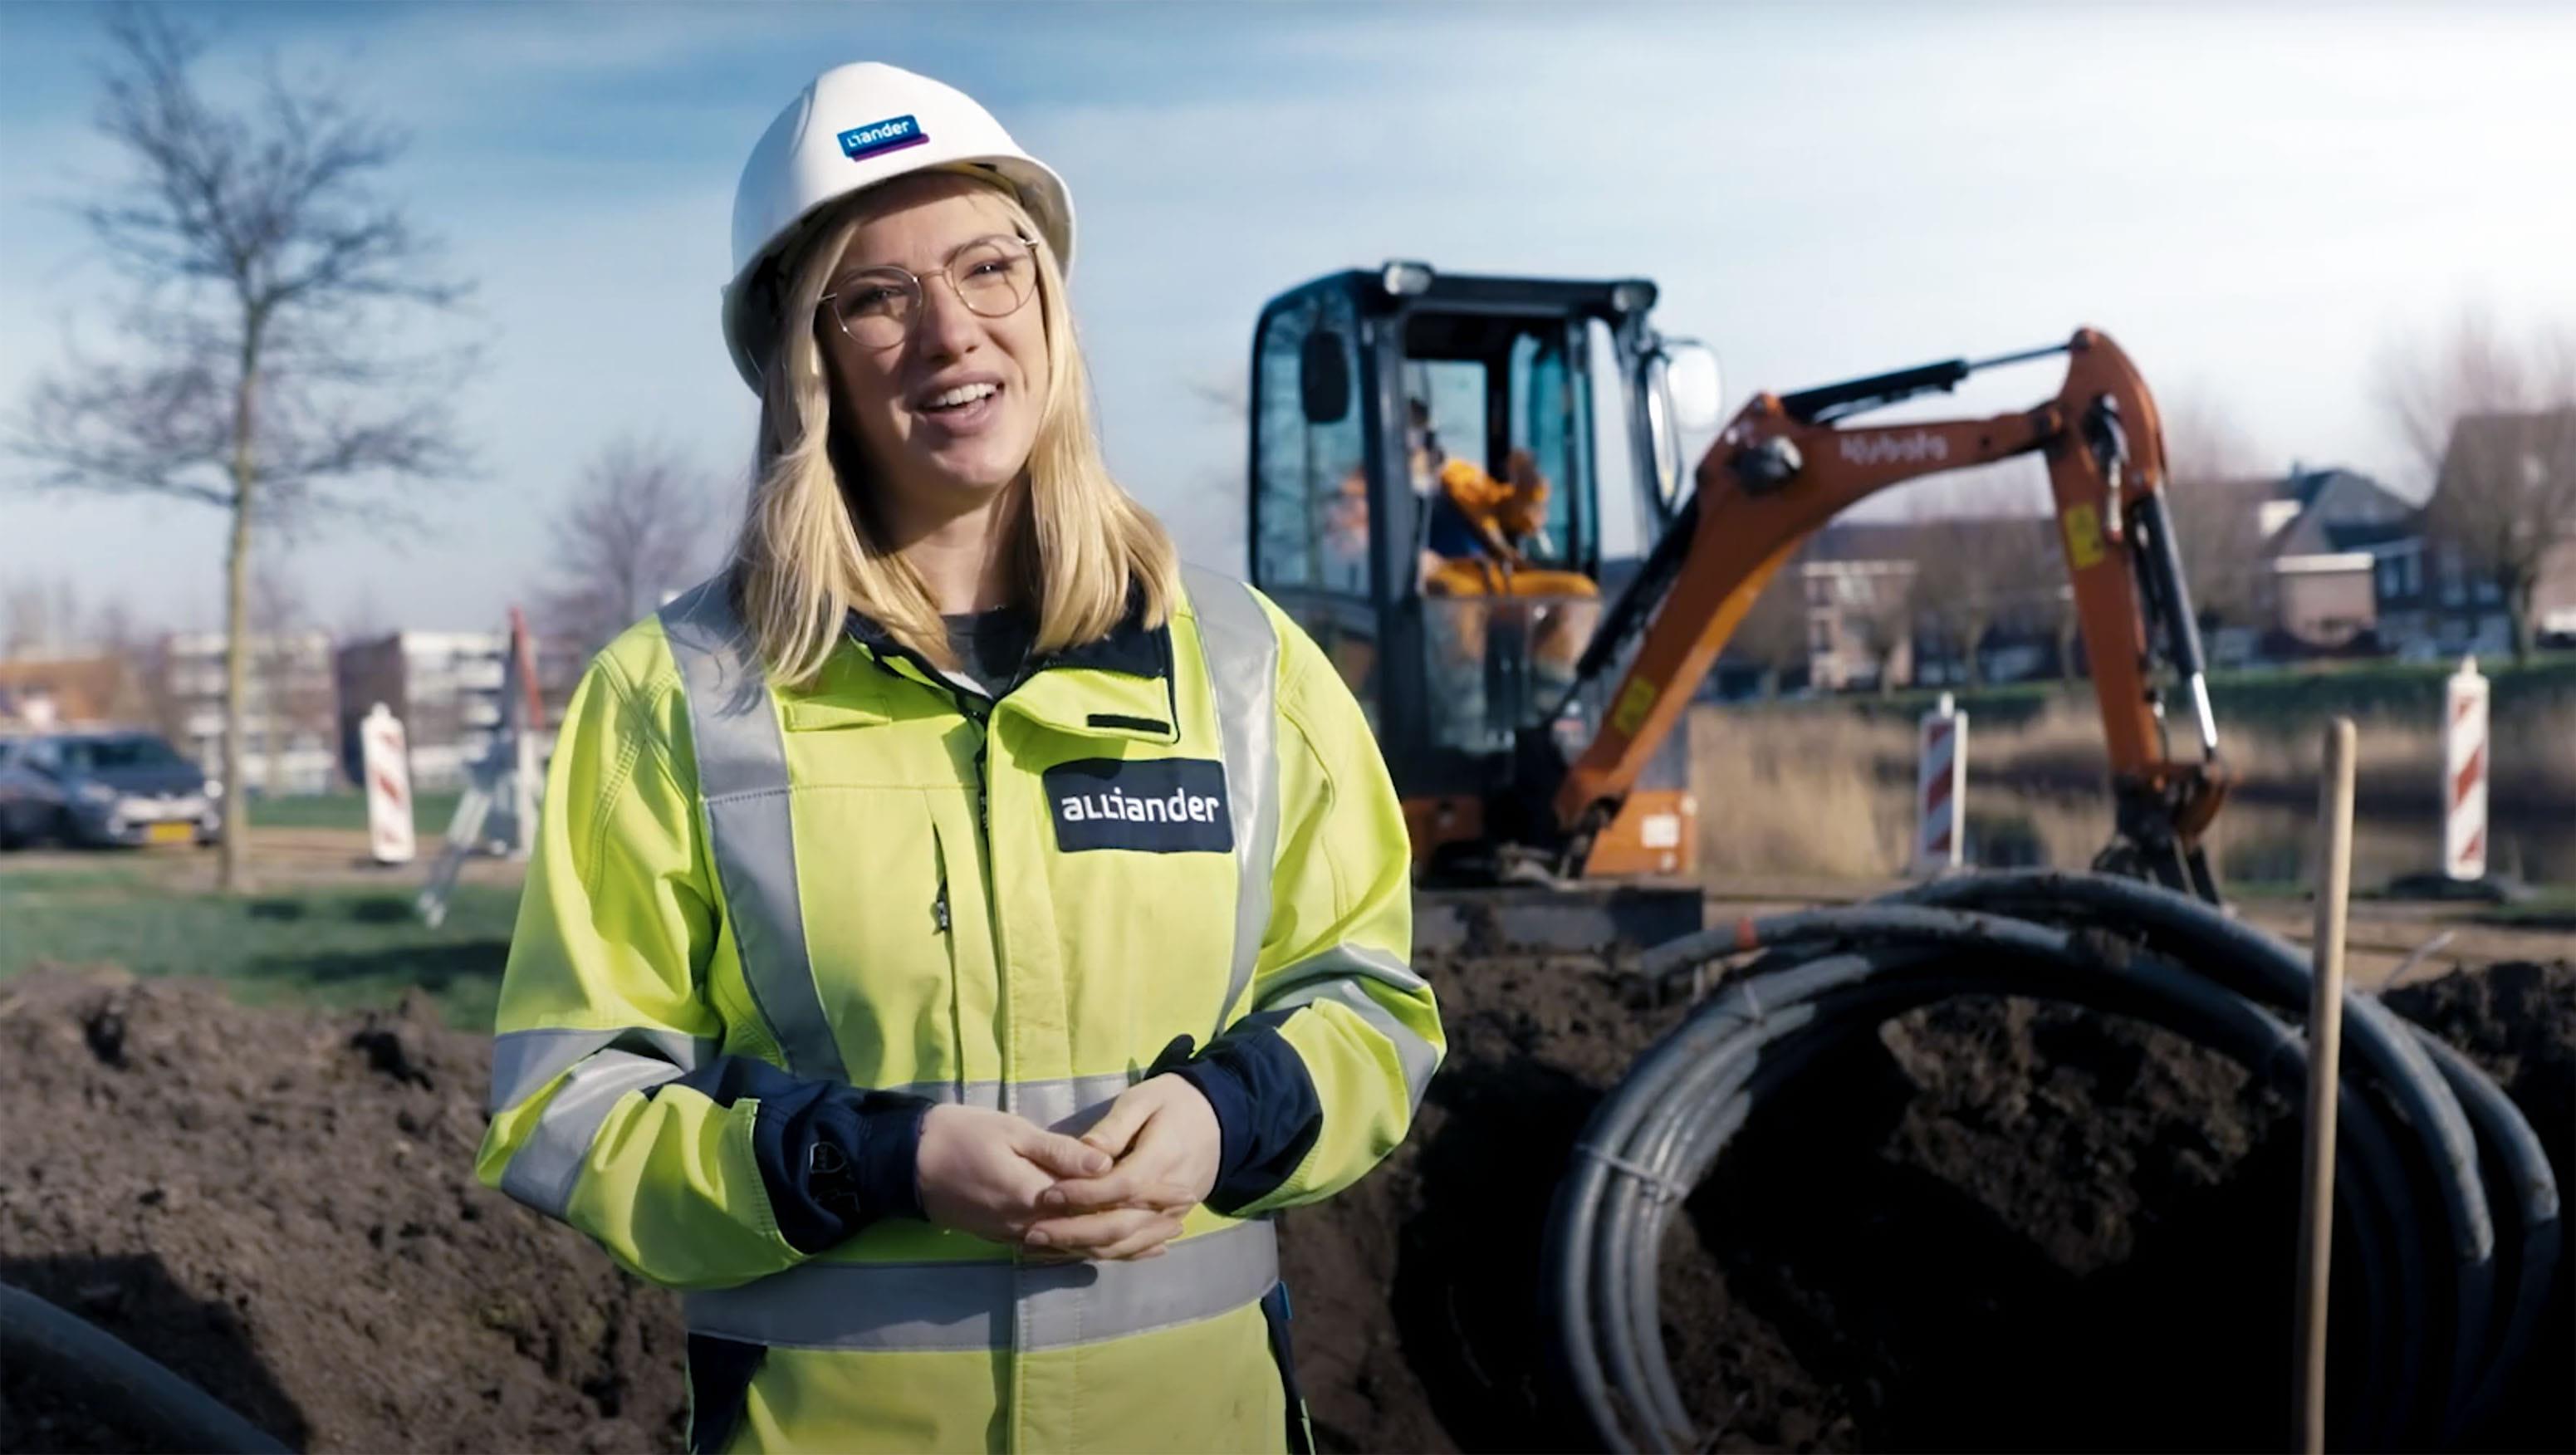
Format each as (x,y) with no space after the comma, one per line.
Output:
(852,128)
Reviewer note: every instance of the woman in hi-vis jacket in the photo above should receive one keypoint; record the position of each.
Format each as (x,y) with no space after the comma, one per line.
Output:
(956,925)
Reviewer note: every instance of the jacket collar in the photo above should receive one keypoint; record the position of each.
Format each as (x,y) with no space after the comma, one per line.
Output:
(1118,685)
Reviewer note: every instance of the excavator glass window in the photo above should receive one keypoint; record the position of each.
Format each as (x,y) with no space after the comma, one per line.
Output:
(1311,513)
(1310,502)
(1506,394)
(1498,448)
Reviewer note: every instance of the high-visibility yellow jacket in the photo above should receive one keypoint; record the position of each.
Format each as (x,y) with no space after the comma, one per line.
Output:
(765,928)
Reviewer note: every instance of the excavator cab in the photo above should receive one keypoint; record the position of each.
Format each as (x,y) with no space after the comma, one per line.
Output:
(1450,476)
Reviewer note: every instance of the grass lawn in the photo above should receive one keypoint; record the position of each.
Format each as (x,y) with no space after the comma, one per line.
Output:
(2279,699)
(2550,907)
(332,946)
(430,812)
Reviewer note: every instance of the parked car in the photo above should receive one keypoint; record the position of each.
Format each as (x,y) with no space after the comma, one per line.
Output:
(30,802)
(105,787)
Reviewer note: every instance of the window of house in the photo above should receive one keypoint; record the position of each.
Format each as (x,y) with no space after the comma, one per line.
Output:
(1820,632)
(2454,584)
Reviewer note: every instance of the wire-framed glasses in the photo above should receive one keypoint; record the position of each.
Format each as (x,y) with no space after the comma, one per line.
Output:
(877,307)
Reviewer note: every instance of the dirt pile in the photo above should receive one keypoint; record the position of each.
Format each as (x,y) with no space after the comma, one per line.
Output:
(281,1208)
(1997,1225)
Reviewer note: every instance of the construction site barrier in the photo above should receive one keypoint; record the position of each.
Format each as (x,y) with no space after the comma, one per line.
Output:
(2464,773)
(388,772)
(1941,790)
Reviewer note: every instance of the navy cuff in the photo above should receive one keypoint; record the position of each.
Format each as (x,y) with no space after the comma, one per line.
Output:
(833,1158)
(1267,1113)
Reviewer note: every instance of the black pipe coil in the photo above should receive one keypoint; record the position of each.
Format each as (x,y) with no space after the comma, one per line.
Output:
(2446,1204)
(73,1354)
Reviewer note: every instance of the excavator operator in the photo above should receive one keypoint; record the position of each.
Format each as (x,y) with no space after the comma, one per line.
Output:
(1475,536)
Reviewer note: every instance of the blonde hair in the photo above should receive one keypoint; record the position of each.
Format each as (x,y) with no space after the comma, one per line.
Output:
(809,554)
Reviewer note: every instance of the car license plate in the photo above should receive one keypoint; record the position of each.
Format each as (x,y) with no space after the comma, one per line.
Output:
(172,833)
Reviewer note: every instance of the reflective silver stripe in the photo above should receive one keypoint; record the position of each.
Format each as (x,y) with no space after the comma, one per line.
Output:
(1242,656)
(1341,962)
(1069,1106)
(1417,1056)
(524,1061)
(542,1172)
(742,779)
(930,1307)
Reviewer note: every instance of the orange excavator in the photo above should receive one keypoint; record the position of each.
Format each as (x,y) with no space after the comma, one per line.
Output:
(1448,595)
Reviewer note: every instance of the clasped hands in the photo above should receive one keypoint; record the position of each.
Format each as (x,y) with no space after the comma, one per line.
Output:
(1118,1191)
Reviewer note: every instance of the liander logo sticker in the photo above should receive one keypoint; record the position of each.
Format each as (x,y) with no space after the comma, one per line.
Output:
(1156,806)
(890,135)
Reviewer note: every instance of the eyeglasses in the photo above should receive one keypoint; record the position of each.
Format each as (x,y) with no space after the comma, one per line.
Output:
(992,276)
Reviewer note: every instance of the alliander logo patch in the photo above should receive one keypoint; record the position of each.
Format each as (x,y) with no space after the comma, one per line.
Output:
(890,135)
(1161,806)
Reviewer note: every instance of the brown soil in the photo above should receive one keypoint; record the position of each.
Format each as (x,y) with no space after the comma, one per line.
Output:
(281,1208)
(1995,1225)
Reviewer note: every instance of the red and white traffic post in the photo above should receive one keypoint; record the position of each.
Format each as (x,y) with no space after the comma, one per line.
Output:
(387,766)
(1940,788)
(2464,774)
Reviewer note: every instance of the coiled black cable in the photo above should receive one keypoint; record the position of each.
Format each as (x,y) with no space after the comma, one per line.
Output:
(71,1353)
(2447,1206)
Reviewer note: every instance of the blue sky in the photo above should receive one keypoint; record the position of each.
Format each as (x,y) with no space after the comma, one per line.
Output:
(2254,200)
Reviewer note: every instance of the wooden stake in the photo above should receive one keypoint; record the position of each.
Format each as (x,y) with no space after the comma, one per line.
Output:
(2325,1056)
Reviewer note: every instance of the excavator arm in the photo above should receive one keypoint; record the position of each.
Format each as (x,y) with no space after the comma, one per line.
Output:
(1786,465)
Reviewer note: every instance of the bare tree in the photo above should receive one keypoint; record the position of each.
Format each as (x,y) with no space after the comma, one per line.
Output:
(2214,489)
(2492,422)
(1225,395)
(46,617)
(1982,568)
(1878,613)
(290,668)
(642,522)
(362,617)
(1773,634)
(38,617)
(114,634)
(254,376)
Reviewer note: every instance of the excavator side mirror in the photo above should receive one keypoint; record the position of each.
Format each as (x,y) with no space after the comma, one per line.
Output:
(1678,379)
(1690,371)
(1324,377)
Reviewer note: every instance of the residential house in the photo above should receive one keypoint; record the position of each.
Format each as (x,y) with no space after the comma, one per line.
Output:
(1863,584)
(2325,535)
(2315,561)
(1857,581)
(2432,596)
(2431,604)
(37,693)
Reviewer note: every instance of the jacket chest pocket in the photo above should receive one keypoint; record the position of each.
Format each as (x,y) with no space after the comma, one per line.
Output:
(880,909)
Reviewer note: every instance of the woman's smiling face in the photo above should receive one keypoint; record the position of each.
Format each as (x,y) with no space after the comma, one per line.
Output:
(947,412)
